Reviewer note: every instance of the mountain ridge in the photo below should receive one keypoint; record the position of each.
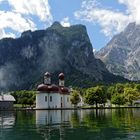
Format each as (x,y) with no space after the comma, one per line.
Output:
(121,54)
(24,60)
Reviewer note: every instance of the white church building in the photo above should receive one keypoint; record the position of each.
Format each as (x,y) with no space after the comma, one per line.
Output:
(50,96)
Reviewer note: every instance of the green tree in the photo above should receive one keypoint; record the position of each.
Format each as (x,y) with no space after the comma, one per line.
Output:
(131,95)
(24,97)
(95,95)
(89,96)
(75,98)
(110,92)
(119,88)
(137,87)
(118,99)
(101,90)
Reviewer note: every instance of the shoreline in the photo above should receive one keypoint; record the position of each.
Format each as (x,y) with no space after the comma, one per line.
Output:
(78,108)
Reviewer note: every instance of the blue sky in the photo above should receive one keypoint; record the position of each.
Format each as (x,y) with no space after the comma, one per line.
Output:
(103,18)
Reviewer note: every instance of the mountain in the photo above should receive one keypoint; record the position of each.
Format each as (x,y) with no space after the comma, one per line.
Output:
(24,60)
(122,54)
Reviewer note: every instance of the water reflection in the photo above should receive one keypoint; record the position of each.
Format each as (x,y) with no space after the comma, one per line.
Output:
(88,124)
(55,117)
(105,124)
(18,125)
(52,117)
(67,124)
(7,119)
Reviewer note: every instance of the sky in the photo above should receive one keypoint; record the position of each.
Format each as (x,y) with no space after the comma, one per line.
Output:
(102,18)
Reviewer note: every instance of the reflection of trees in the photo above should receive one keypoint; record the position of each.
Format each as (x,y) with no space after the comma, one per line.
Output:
(117,118)
(24,128)
(94,124)
(96,119)
(75,120)
(125,118)
(25,118)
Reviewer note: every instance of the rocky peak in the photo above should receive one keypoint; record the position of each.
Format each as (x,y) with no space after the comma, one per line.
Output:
(27,33)
(56,25)
(122,54)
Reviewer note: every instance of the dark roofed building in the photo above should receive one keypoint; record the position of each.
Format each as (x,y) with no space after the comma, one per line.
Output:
(52,96)
(6,101)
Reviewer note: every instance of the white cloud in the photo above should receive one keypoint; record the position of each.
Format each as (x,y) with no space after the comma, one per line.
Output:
(133,9)
(65,22)
(38,8)
(111,21)
(14,21)
(19,17)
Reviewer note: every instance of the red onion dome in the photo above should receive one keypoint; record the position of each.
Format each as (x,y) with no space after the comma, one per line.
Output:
(61,76)
(64,90)
(54,88)
(47,74)
(42,87)
(47,88)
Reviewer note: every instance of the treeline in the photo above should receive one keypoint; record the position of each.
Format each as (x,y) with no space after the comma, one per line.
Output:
(117,94)
(24,97)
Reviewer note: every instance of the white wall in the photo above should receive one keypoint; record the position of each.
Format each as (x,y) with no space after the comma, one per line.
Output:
(66,101)
(41,103)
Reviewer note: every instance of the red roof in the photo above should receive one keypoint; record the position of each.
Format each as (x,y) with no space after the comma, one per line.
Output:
(52,88)
(48,88)
(64,90)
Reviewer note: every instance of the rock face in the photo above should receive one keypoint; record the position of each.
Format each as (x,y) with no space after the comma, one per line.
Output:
(56,49)
(122,54)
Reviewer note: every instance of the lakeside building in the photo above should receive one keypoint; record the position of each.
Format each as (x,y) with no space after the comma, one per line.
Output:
(51,96)
(6,101)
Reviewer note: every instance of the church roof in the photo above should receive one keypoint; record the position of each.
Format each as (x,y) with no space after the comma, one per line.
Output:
(47,88)
(7,98)
(52,88)
(64,90)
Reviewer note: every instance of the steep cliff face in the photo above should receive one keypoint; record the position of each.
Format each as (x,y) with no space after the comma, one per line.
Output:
(56,49)
(122,54)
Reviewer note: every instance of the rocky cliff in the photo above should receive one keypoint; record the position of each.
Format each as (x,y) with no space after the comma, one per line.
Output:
(24,60)
(122,54)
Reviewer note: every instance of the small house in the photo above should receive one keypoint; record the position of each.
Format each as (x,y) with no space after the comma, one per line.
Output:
(6,101)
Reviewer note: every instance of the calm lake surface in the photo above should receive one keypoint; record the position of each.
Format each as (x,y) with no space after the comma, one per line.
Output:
(106,124)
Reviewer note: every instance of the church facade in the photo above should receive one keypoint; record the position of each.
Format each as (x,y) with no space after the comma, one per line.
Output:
(51,96)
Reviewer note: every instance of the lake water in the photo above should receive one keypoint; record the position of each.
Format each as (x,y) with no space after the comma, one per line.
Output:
(120,124)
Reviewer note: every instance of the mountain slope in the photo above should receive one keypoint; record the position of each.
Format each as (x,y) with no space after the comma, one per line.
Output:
(122,54)
(24,60)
